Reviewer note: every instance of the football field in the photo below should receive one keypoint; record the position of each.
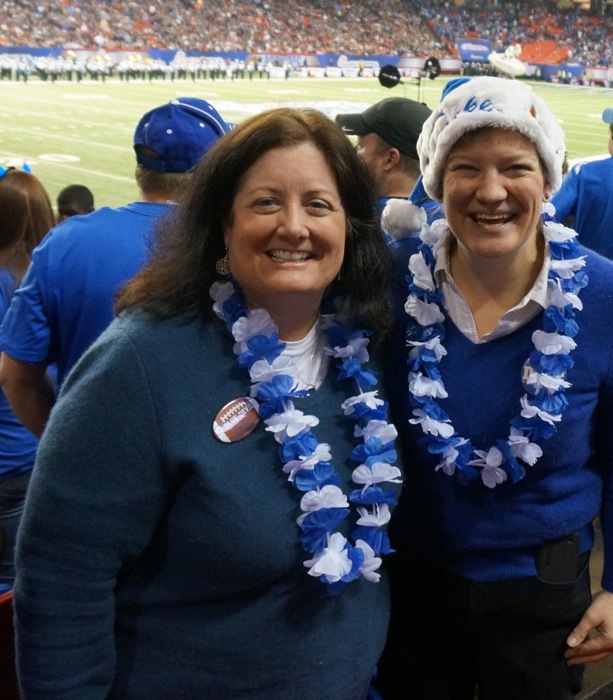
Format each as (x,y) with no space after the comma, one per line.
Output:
(71,132)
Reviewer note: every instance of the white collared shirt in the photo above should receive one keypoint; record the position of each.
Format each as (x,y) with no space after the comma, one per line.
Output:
(456,306)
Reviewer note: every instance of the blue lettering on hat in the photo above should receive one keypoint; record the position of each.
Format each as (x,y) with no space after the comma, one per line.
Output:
(473,104)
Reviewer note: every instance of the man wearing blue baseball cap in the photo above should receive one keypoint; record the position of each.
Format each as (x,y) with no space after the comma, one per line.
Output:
(66,298)
(587,194)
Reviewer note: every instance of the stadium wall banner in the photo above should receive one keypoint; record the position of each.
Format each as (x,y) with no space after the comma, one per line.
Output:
(322,65)
(474,49)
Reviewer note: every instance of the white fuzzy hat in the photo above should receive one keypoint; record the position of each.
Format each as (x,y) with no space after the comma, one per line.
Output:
(483,102)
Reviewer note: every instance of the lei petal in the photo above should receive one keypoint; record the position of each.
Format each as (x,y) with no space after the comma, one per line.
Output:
(422,276)
(421,385)
(378,540)
(427,314)
(377,474)
(522,448)
(256,322)
(220,293)
(318,525)
(368,399)
(552,343)
(260,347)
(378,516)
(264,371)
(308,462)
(530,411)
(386,432)
(322,474)
(327,497)
(333,563)
(431,426)
(289,423)
(373,450)
(371,562)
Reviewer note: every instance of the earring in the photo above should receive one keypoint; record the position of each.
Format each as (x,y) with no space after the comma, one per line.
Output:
(222,266)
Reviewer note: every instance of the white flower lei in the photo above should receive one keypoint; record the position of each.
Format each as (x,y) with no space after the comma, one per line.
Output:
(332,557)
(545,369)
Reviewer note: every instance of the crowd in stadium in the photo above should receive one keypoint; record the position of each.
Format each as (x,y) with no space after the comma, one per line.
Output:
(378,27)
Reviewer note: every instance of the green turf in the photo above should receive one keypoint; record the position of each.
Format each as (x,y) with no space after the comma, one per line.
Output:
(82,133)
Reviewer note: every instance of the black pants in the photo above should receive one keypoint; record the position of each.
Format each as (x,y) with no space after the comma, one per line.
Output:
(449,636)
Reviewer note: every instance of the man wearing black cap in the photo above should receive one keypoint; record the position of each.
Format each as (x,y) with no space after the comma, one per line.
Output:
(66,298)
(387,136)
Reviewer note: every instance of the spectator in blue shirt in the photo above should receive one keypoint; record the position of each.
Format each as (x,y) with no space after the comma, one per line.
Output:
(27,216)
(67,295)
(587,195)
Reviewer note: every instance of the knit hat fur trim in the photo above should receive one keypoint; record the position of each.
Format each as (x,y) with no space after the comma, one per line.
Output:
(489,102)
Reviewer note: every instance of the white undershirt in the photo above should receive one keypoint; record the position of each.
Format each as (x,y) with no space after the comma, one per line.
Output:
(309,357)
(456,306)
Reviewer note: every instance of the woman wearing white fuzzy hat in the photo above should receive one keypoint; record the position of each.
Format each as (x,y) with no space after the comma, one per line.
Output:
(505,418)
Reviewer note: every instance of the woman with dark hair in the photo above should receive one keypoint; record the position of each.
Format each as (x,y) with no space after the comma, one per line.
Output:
(207,517)
(26,217)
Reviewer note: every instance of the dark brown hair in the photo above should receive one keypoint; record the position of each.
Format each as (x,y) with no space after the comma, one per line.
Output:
(190,241)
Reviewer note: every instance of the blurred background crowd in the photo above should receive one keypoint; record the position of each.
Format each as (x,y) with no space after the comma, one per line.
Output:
(376,27)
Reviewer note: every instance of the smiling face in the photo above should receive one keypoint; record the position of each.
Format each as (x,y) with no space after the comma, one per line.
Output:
(493,188)
(286,233)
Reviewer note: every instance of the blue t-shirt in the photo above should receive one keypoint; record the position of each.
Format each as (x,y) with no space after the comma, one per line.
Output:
(587,192)
(66,298)
(17,444)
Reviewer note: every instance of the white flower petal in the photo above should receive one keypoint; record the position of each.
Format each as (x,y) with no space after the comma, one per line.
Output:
(432,344)
(529,411)
(422,276)
(379,516)
(424,312)
(553,343)
(256,322)
(431,426)
(333,562)
(371,562)
(289,423)
(377,474)
(220,292)
(367,397)
(420,385)
(557,232)
(386,432)
(355,348)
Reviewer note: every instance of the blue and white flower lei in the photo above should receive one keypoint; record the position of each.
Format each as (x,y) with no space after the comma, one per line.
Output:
(544,372)
(334,559)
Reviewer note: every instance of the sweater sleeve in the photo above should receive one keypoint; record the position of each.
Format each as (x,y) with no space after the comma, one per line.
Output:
(97,493)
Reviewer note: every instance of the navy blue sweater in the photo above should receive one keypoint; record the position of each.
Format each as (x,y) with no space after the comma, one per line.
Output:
(157,562)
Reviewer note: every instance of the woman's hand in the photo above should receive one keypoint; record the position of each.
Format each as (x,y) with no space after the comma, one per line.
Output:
(598,617)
